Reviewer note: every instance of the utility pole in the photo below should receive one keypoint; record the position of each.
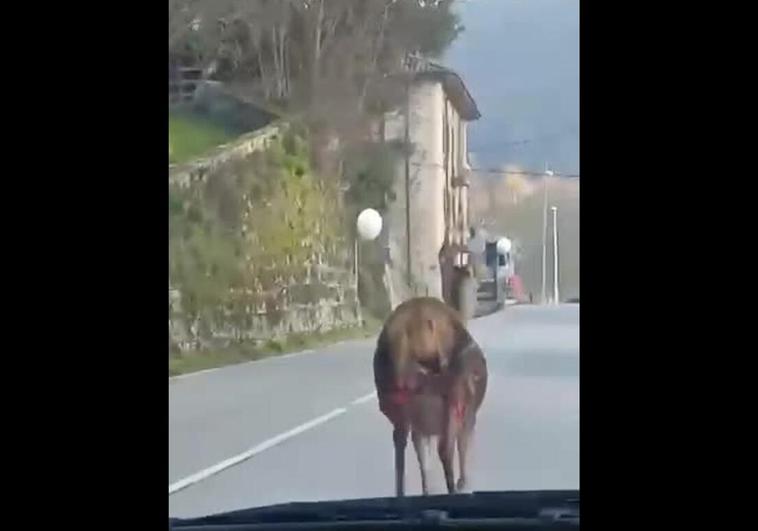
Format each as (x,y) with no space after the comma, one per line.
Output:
(408,179)
(544,234)
(555,255)
(355,263)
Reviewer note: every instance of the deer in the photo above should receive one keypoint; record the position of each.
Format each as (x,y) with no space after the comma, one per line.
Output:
(431,379)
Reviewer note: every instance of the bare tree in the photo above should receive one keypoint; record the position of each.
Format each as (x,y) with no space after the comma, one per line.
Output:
(290,46)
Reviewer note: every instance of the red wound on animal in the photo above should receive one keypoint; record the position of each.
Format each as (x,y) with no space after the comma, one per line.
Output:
(400,397)
(458,410)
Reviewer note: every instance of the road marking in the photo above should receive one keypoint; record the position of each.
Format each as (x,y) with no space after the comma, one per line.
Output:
(197,373)
(284,356)
(265,445)
(363,399)
(268,358)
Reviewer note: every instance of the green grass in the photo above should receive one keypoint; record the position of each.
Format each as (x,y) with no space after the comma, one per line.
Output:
(188,362)
(191,136)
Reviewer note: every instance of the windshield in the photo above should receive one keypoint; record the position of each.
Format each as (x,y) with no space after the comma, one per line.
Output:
(330,160)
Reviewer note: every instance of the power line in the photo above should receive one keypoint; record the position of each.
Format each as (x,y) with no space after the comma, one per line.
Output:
(476,146)
(501,172)
(529,173)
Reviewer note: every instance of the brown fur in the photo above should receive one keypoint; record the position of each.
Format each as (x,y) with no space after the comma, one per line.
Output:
(431,378)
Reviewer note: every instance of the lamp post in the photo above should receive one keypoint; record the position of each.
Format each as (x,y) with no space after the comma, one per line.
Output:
(555,255)
(369,226)
(504,246)
(548,173)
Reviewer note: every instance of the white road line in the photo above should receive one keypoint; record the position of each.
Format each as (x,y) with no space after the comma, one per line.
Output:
(285,356)
(268,358)
(363,399)
(189,374)
(265,445)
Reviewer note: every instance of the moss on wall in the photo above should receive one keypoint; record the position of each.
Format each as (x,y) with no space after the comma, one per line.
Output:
(245,240)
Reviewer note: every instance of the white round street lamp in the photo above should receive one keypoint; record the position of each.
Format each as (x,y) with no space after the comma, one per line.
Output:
(369,224)
(504,246)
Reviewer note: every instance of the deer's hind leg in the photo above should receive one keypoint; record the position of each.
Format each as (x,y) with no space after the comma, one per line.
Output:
(446,449)
(464,444)
(400,439)
(421,444)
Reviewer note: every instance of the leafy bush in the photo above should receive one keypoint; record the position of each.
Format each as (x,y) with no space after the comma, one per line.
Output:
(248,228)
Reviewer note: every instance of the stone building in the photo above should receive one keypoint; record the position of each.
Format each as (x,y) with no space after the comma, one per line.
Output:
(428,223)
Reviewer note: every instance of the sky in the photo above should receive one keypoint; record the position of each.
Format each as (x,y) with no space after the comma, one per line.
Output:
(520,61)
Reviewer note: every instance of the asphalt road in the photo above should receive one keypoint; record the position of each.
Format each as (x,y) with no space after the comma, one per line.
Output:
(252,422)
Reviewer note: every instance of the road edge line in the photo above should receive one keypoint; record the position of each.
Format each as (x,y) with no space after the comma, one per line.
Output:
(239,458)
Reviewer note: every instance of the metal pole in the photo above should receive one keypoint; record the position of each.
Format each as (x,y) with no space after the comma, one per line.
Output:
(555,255)
(544,238)
(408,180)
(355,258)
